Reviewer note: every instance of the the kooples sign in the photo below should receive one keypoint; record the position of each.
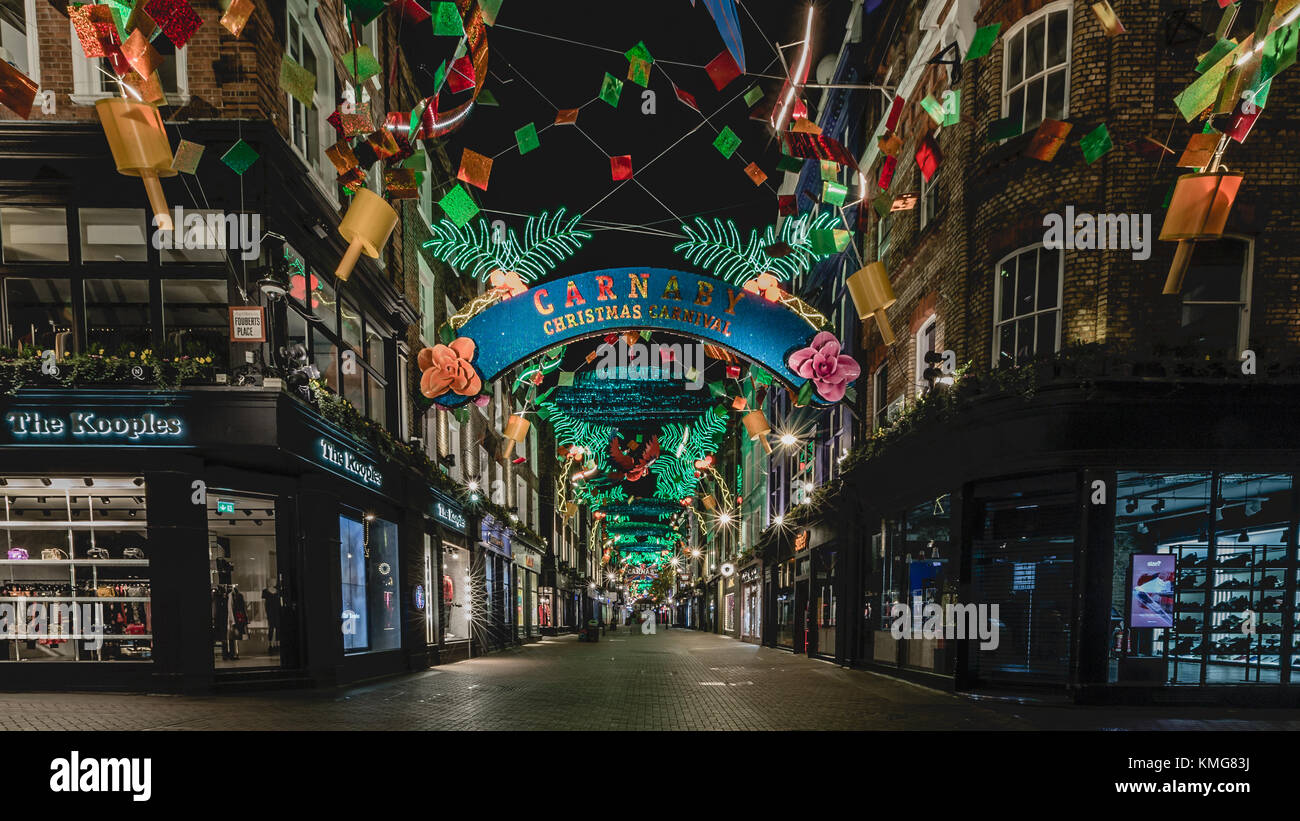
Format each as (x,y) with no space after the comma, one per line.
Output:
(448,515)
(93,427)
(347,461)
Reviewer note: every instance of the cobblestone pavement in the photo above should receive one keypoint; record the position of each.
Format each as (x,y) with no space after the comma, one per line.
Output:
(673,680)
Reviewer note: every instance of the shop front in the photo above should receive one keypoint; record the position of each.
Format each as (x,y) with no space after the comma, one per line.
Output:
(751,602)
(528,566)
(447,578)
(498,602)
(250,540)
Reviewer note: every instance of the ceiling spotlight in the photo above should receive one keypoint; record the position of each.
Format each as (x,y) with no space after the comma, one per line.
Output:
(46,481)
(138,481)
(1158,506)
(1242,537)
(1131,506)
(89,481)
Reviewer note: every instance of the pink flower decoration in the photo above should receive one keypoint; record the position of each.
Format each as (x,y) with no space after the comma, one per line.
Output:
(831,372)
(447,368)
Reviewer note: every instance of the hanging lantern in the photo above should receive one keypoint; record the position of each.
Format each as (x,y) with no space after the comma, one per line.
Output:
(570,510)
(758,428)
(140,148)
(516,430)
(366,226)
(872,294)
(1198,209)
(709,502)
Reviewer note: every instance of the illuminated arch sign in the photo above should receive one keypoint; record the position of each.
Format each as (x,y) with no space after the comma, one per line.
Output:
(617,299)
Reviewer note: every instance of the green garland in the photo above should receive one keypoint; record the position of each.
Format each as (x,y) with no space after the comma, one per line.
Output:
(23,369)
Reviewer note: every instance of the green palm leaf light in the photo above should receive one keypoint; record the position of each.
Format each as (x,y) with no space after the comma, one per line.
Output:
(499,256)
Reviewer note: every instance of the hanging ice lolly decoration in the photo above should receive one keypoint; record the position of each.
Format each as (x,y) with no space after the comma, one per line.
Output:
(139,143)
(366,226)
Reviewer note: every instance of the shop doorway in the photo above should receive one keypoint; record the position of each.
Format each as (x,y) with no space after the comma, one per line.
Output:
(245,584)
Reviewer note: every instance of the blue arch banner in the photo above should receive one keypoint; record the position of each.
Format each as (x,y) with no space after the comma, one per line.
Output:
(613,300)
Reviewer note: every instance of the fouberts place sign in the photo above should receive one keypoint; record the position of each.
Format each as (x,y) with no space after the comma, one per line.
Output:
(93,427)
(619,299)
(349,463)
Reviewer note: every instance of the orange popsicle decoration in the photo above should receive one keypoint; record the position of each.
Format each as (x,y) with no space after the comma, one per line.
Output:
(140,148)
(366,226)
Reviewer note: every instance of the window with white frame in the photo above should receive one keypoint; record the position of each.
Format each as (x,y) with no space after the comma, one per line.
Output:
(305,44)
(428,316)
(1027,305)
(93,78)
(1036,66)
(1216,297)
(929,198)
(925,342)
(883,225)
(18,40)
(880,396)
(453,446)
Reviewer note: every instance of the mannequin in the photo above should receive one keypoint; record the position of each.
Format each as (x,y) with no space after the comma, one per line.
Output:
(271,601)
(236,619)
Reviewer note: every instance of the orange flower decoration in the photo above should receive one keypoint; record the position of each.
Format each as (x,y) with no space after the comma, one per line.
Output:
(765,285)
(447,368)
(508,281)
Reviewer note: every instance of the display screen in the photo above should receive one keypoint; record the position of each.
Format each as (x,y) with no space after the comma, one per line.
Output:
(1151,598)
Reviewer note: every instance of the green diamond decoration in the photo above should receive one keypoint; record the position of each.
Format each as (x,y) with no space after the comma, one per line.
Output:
(830,171)
(526,138)
(828,240)
(792,164)
(753,96)
(447,21)
(611,89)
(565,379)
(883,204)
(486,97)
(1214,55)
(952,108)
(933,108)
(834,193)
(982,43)
(1096,143)
(639,52)
(490,9)
(439,76)
(761,376)
(240,157)
(298,81)
(361,64)
(1004,129)
(459,206)
(363,11)
(1279,50)
(419,161)
(727,142)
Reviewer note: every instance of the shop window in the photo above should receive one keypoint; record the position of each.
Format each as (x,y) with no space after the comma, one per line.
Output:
(1216,298)
(826,603)
(248,597)
(118,315)
(457,615)
(1036,67)
(1201,563)
(196,317)
(925,344)
(18,37)
(112,234)
(1027,310)
(74,571)
(371,619)
(1023,561)
(38,313)
(431,593)
(34,234)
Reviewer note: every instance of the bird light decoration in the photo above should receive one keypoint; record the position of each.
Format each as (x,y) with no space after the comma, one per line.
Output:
(140,148)
(366,226)
(872,294)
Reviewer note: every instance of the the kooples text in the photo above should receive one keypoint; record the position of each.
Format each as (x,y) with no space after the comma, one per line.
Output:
(89,423)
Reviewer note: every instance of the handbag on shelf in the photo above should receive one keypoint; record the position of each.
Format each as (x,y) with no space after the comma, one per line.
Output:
(133,553)
(97,553)
(17,553)
(104,591)
(54,553)
(135,630)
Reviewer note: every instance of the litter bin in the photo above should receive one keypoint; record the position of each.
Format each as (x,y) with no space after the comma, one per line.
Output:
(593,630)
